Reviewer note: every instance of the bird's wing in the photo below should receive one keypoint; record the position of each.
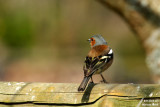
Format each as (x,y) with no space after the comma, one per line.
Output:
(92,64)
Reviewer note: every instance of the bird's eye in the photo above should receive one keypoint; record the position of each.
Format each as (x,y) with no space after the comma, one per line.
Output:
(91,39)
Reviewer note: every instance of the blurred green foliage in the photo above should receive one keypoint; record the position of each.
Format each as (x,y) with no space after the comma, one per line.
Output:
(17,30)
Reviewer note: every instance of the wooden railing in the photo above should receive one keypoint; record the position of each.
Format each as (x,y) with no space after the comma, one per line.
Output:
(64,94)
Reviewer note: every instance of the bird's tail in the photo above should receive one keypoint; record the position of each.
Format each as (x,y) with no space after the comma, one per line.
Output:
(84,83)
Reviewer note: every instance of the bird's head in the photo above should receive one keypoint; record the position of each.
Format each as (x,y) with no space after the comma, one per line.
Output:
(97,40)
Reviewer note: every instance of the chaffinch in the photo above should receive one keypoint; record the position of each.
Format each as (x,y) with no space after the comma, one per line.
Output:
(99,58)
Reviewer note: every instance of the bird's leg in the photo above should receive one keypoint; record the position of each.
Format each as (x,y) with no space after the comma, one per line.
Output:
(103,80)
(92,80)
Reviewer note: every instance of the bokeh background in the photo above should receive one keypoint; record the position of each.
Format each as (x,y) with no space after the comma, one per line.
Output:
(45,41)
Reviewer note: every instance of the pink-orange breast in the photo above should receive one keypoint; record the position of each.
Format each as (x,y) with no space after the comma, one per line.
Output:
(97,50)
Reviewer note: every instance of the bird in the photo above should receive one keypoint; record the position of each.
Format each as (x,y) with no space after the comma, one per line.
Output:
(99,58)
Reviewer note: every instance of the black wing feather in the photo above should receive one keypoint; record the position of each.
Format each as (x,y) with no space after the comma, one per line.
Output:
(93,64)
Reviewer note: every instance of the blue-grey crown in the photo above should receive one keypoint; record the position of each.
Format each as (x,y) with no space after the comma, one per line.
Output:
(99,40)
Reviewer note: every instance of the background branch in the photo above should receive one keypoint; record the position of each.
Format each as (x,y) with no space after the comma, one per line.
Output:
(144,19)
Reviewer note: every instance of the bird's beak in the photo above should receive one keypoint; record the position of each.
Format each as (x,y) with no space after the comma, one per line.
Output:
(89,40)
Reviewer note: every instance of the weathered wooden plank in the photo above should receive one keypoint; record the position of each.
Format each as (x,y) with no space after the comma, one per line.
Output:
(62,94)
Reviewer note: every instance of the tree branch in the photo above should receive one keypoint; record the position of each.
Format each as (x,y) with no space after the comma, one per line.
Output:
(143,16)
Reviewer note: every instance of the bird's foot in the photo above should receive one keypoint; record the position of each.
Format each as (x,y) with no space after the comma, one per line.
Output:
(104,81)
